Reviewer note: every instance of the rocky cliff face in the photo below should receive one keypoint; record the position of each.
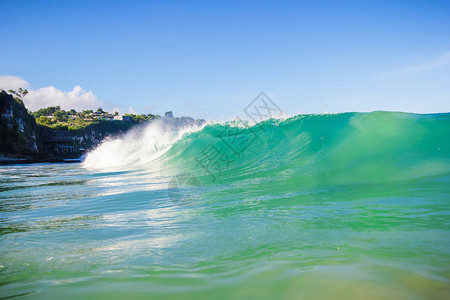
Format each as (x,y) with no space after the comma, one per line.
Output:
(92,135)
(17,127)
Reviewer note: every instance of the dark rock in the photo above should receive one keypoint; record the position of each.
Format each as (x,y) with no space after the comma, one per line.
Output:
(17,127)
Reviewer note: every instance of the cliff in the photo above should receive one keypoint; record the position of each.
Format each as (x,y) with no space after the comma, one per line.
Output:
(90,136)
(22,140)
(17,127)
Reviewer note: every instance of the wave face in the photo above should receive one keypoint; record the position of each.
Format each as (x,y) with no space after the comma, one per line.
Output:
(335,206)
(302,151)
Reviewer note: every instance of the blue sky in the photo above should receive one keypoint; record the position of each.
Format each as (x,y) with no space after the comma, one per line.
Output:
(211,58)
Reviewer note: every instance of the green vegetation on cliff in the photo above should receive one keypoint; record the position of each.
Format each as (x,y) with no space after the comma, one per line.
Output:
(56,118)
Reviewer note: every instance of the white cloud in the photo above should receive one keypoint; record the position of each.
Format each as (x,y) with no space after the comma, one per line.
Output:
(440,62)
(12,82)
(77,99)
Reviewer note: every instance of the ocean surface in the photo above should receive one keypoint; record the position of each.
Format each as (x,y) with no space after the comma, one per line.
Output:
(331,206)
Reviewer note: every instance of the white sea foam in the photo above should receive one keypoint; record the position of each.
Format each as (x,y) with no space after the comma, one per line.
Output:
(139,146)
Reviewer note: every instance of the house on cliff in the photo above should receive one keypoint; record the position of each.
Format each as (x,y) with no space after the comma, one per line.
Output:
(58,142)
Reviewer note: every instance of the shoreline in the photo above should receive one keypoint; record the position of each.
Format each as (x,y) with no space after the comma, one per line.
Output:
(24,160)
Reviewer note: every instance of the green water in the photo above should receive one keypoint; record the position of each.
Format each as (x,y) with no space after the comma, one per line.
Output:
(346,206)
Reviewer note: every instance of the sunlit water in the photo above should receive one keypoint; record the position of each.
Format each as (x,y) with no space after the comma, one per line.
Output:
(351,206)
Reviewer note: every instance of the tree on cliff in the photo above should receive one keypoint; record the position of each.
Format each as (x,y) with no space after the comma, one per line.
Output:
(19,94)
(60,116)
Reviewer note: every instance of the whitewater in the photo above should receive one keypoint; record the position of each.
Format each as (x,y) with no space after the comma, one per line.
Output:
(342,206)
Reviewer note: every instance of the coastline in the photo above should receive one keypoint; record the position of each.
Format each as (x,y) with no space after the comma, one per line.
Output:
(37,159)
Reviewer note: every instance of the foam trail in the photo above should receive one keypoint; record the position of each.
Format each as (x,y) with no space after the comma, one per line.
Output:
(139,146)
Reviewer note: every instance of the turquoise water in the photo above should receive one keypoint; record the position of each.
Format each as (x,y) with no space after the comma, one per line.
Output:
(345,206)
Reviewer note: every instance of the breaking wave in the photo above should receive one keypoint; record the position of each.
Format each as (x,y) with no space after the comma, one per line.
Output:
(344,148)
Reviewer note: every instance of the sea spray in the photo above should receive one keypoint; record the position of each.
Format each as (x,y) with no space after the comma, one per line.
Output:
(141,145)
